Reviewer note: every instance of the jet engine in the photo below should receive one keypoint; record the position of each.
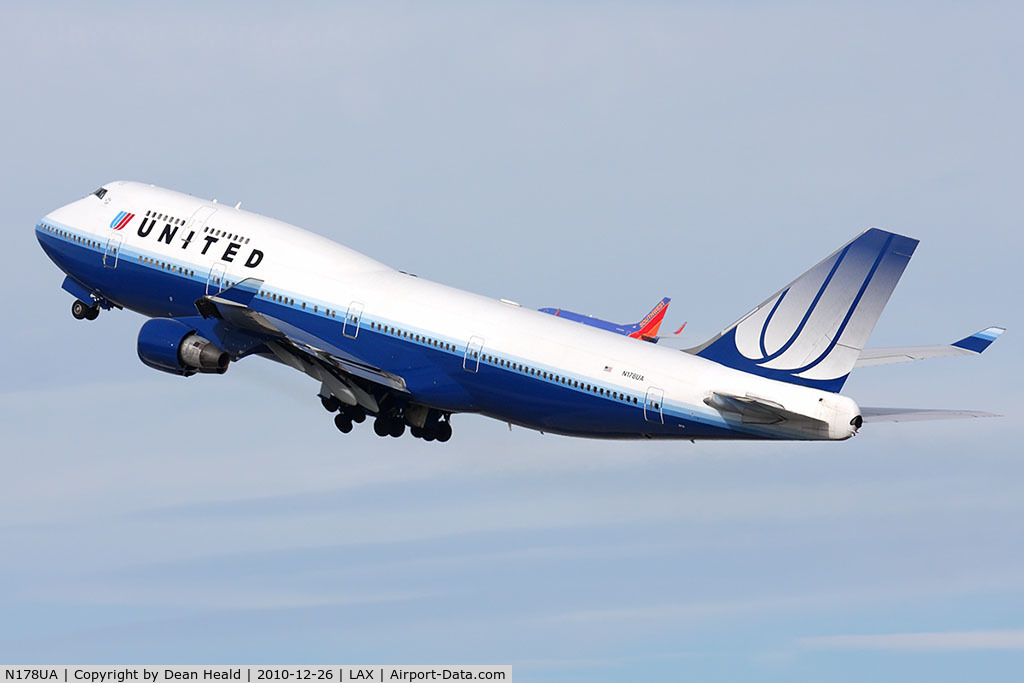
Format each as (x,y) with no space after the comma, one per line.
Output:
(172,346)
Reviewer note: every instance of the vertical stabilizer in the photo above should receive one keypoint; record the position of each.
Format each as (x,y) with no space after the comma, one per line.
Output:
(812,331)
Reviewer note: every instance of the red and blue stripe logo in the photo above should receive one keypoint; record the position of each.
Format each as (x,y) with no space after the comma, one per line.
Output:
(122,219)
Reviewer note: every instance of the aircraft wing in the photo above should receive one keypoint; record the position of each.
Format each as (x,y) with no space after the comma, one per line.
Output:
(298,348)
(968,346)
(232,306)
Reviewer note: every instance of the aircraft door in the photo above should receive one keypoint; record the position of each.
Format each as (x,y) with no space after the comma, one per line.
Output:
(352,318)
(653,405)
(113,250)
(198,220)
(471,362)
(215,281)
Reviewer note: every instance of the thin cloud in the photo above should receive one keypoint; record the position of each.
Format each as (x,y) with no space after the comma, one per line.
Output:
(919,642)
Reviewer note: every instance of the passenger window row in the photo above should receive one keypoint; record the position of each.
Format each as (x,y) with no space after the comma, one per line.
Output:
(165,218)
(502,363)
(163,265)
(277,298)
(71,237)
(288,301)
(411,336)
(229,235)
(559,379)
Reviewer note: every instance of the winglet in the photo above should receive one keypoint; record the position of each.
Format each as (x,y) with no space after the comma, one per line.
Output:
(979,341)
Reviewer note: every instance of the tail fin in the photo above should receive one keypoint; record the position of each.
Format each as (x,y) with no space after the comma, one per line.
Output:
(648,328)
(812,331)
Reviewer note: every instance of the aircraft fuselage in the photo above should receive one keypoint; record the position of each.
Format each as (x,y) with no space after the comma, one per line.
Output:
(157,252)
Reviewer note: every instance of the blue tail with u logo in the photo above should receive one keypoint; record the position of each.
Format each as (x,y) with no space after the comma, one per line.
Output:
(813,330)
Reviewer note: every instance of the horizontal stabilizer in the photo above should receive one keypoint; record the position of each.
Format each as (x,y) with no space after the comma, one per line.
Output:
(968,346)
(918,415)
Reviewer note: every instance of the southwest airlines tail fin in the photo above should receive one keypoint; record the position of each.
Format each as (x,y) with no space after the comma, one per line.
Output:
(647,329)
(813,330)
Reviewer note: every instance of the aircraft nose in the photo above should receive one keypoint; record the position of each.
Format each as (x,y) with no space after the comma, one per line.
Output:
(46,224)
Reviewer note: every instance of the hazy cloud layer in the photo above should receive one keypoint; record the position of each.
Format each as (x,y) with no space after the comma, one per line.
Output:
(921,642)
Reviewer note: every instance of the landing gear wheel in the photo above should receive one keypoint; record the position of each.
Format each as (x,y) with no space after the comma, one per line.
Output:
(357,414)
(92,312)
(79,310)
(417,432)
(330,404)
(397,428)
(381,426)
(443,431)
(343,424)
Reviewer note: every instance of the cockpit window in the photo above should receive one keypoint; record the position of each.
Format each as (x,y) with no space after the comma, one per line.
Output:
(101,192)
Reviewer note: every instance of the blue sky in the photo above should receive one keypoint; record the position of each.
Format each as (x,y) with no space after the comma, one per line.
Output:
(592,156)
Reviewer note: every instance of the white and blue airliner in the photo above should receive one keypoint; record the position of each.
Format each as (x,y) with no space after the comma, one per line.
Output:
(219,284)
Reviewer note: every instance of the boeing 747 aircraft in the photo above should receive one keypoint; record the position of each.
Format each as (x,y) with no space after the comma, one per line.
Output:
(219,284)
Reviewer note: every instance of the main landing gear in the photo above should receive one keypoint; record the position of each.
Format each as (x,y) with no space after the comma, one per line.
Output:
(394,425)
(347,415)
(439,431)
(83,311)
(436,426)
(387,425)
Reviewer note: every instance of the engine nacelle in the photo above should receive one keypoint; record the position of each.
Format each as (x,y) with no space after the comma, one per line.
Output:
(171,346)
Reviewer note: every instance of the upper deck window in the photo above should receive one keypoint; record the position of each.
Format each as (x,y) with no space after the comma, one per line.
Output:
(101,193)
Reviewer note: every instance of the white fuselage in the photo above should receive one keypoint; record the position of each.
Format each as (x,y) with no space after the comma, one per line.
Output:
(404,320)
